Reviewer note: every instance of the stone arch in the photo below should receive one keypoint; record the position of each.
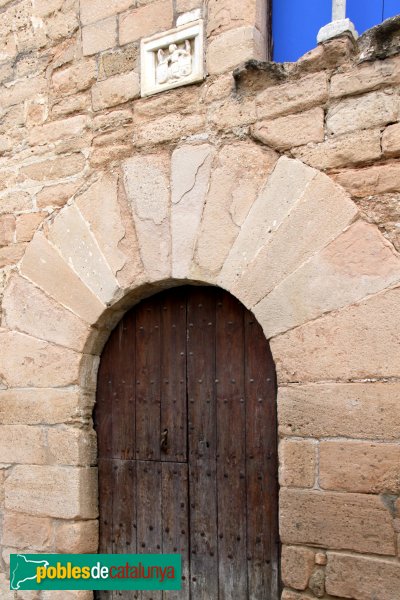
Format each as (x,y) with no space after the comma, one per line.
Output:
(282,237)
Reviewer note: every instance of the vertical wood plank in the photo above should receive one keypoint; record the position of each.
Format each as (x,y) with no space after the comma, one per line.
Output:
(105,515)
(202,444)
(149,514)
(148,380)
(262,465)
(231,476)
(175,514)
(123,388)
(173,375)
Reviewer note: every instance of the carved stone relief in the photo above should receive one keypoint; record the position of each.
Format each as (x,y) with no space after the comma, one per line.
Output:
(172,59)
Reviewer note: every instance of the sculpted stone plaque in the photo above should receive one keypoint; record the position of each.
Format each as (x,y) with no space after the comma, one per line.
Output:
(172,58)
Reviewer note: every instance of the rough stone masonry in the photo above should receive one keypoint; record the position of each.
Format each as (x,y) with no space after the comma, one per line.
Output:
(281,184)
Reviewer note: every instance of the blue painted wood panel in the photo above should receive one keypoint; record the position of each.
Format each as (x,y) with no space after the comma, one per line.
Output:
(391,8)
(295,24)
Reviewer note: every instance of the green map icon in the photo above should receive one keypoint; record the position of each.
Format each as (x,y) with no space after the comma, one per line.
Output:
(24,570)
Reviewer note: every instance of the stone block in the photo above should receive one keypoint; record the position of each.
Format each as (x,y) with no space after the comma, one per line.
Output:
(338,346)
(79,76)
(168,128)
(72,237)
(145,20)
(358,263)
(79,537)
(115,90)
(187,5)
(27,224)
(22,531)
(293,130)
(235,184)
(227,50)
(110,220)
(146,180)
(33,362)
(353,410)
(43,406)
(364,112)
(21,91)
(362,577)
(115,119)
(22,444)
(57,130)
(297,461)
(293,96)
(347,150)
(61,492)
(229,13)
(56,195)
(96,10)
(391,140)
(44,266)
(10,255)
(54,168)
(297,564)
(233,113)
(71,446)
(6,593)
(79,102)
(364,467)
(357,522)
(190,176)
(366,77)
(99,36)
(7,229)
(370,181)
(118,61)
(284,187)
(321,214)
(64,595)
(15,202)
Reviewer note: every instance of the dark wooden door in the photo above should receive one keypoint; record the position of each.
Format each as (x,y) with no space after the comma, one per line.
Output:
(186,424)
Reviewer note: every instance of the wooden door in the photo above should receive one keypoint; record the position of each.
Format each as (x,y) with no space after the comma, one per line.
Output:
(186,424)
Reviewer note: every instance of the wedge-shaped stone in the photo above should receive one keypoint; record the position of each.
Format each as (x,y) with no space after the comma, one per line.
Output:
(353,410)
(362,577)
(358,522)
(358,263)
(43,406)
(71,236)
(29,362)
(190,176)
(146,181)
(235,184)
(62,492)
(322,213)
(26,308)
(364,467)
(358,342)
(22,444)
(43,265)
(283,189)
(111,223)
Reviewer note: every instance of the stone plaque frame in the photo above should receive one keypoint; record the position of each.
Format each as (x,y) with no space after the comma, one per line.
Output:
(193,33)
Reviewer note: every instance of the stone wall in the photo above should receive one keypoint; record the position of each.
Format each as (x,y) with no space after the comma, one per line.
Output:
(281,184)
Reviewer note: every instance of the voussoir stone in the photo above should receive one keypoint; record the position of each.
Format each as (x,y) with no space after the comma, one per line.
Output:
(358,263)
(292,130)
(283,188)
(110,220)
(235,183)
(358,522)
(28,309)
(147,187)
(321,214)
(71,235)
(43,265)
(338,346)
(54,491)
(190,176)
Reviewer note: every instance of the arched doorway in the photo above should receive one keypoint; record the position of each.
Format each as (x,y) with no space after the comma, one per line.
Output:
(186,424)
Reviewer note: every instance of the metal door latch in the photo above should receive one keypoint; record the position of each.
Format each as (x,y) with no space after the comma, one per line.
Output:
(164,440)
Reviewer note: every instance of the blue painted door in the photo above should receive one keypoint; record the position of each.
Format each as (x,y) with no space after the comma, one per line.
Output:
(295,23)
